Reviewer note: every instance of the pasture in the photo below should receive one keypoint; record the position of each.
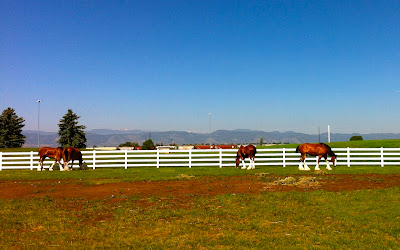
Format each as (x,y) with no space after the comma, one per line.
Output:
(201,207)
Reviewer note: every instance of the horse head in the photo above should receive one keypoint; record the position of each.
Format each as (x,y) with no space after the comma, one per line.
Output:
(237,160)
(333,159)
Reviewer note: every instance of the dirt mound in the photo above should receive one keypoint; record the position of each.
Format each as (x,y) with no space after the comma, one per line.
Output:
(302,181)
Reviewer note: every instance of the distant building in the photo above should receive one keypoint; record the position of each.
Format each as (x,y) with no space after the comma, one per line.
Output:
(204,147)
(187,147)
(226,146)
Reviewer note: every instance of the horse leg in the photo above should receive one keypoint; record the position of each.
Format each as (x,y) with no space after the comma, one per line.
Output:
(301,164)
(254,165)
(317,167)
(250,164)
(61,166)
(51,167)
(327,164)
(306,168)
(244,165)
(66,166)
(40,166)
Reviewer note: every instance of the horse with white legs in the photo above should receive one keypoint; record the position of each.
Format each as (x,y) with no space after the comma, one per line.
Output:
(246,152)
(318,149)
(54,153)
(72,153)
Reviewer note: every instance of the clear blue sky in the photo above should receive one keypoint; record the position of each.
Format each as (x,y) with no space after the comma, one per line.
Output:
(165,65)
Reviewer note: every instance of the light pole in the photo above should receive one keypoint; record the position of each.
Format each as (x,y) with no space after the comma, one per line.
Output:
(38,123)
(319,135)
(210,128)
(329,133)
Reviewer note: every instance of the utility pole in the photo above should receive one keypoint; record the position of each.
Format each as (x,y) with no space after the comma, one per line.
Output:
(319,135)
(38,123)
(210,128)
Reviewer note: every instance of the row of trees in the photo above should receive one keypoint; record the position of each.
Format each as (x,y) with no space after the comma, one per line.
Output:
(147,145)
(71,134)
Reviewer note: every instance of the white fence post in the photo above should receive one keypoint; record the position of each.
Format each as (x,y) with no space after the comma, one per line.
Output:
(31,160)
(158,158)
(382,160)
(94,159)
(1,161)
(126,159)
(348,157)
(190,158)
(284,157)
(220,158)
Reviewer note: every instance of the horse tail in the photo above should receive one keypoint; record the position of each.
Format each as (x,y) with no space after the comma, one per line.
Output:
(65,151)
(297,149)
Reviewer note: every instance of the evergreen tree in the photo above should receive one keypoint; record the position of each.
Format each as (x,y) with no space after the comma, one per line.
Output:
(71,134)
(11,129)
(148,145)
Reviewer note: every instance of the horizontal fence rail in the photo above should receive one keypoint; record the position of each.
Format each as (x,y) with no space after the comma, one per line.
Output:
(203,157)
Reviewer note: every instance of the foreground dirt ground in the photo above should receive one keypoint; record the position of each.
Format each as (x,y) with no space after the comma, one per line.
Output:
(188,186)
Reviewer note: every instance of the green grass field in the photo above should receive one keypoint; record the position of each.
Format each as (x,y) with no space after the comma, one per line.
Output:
(368,219)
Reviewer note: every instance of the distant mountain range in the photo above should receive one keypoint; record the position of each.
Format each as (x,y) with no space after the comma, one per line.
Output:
(107,137)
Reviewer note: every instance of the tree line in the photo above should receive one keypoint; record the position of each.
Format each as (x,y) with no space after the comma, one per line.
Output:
(147,145)
(71,134)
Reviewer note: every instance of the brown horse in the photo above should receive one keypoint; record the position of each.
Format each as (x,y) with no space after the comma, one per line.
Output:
(72,153)
(54,153)
(246,152)
(320,150)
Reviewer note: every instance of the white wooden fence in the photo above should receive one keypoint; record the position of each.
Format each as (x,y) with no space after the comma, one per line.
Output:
(208,157)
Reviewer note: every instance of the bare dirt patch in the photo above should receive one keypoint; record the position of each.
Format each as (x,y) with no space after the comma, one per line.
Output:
(190,186)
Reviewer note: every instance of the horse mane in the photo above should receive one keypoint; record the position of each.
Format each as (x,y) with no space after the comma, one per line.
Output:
(330,150)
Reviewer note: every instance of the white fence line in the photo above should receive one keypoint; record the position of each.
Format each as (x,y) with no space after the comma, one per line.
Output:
(203,157)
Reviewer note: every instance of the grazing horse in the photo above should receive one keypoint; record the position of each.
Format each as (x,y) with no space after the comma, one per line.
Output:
(246,152)
(54,153)
(320,150)
(72,153)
